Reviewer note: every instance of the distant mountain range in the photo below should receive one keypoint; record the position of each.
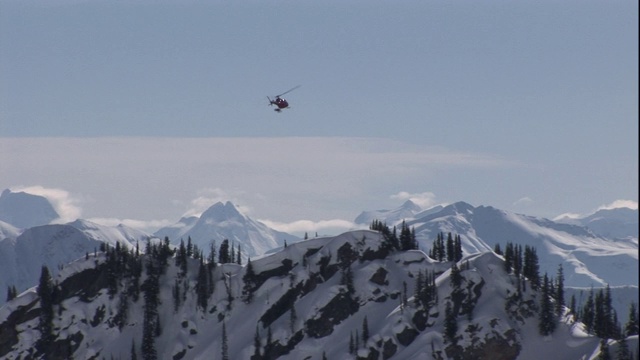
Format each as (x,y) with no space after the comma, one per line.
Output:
(588,257)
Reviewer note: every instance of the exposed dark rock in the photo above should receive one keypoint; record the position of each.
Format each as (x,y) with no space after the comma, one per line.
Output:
(85,284)
(373,354)
(64,348)
(180,355)
(98,316)
(380,277)
(346,254)
(497,347)
(389,349)
(420,319)
(407,335)
(8,329)
(339,308)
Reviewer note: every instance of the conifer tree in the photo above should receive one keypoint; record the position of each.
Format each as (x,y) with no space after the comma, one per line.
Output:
(623,352)
(12,293)
(248,279)
(546,317)
(497,250)
(134,355)
(455,277)
(418,288)
(224,256)
(572,305)
(45,292)
(181,259)
(531,267)
(149,327)
(365,330)
(189,247)
(604,350)
(631,327)
(202,288)
(123,311)
(351,344)
(517,260)
(599,316)
(176,295)
(588,313)
(225,342)
(450,248)
(508,257)
(611,327)
(450,324)
(441,251)
(293,318)
(256,344)
(268,346)
(559,291)
(457,246)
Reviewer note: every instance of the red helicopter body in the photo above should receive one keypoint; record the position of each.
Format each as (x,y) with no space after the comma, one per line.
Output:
(279,102)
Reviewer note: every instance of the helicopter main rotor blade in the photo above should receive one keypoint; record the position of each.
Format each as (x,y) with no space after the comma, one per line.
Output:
(288,91)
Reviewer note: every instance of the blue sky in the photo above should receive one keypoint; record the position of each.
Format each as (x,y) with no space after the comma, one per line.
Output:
(529,106)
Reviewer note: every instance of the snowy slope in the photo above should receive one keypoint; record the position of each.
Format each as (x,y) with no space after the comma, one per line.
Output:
(588,259)
(612,223)
(22,257)
(309,277)
(225,221)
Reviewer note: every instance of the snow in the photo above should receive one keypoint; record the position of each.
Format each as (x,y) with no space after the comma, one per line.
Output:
(199,333)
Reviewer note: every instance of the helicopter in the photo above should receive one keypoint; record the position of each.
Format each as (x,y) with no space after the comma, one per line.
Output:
(279,102)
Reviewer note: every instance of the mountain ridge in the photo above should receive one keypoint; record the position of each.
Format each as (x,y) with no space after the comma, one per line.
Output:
(346,290)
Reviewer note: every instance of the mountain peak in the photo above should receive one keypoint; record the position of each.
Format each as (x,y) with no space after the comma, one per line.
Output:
(24,210)
(219,212)
(411,206)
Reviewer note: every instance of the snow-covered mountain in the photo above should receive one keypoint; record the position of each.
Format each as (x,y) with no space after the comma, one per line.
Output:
(619,223)
(588,259)
(22,256)
(24,210)
(343,297)
(405,212)
(224,221)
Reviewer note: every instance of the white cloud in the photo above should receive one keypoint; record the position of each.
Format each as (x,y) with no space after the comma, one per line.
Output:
(620,204)
(425,200)
(63,203)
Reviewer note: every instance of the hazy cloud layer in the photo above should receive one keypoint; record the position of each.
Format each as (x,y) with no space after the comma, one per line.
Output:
(158,180)
(293,184)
